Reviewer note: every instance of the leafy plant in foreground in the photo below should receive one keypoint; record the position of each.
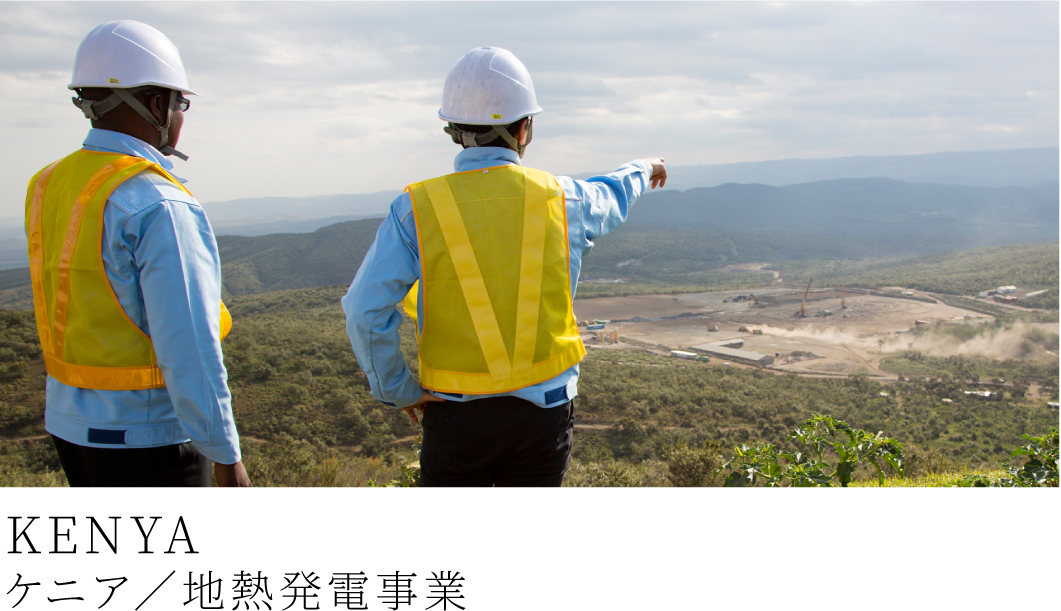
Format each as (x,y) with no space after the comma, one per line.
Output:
(1040,470)
(846,446)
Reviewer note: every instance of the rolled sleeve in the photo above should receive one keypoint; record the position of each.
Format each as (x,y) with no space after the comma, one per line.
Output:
(386,275)
(180,276)
(605,201)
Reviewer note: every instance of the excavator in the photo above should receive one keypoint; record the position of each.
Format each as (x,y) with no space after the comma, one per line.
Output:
(802,308)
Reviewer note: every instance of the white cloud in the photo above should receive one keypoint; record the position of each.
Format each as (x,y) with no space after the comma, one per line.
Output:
(308,98)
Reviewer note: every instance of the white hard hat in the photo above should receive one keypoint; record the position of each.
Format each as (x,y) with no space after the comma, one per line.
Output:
(127,54)
(488,86)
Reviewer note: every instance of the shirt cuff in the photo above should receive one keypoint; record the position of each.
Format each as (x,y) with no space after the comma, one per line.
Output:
(226,455)
(409,396)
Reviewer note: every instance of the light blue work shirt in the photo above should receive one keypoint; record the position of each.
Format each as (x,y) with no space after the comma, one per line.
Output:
(161,259)
(594,208)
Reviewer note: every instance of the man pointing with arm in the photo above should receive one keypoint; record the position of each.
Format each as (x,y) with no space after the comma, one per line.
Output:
(127,282)
(487,261)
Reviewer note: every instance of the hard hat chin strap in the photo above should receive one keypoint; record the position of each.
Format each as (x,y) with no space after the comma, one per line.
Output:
(163,130)
(474,139)
(95,110)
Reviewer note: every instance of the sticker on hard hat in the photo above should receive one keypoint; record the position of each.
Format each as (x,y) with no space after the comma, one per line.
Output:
(113,80)
(495,116)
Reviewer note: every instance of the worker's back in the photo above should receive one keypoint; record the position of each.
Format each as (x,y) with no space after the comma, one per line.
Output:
(496,286)
(485,261)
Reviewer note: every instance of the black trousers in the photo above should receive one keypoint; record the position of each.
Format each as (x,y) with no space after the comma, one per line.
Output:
(500,441)
(173,465)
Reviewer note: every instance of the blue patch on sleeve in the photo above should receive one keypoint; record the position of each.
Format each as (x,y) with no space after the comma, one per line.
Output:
(556,395)
(107,437)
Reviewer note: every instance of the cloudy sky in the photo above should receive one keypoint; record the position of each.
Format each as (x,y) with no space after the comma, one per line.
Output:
(320,98)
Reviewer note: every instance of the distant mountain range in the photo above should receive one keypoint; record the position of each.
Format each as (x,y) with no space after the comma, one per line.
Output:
(876,208)
(1013,198)
(1014,167)
(697,230)
(262,215)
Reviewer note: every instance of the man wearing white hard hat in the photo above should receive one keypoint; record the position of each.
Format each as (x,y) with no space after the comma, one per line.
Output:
(127,282)
(486,261)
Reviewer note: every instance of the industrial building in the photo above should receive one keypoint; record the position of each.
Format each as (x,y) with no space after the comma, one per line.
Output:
(724,350)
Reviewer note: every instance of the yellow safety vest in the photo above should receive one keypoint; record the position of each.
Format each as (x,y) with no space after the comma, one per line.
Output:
(495,267)
(87,339)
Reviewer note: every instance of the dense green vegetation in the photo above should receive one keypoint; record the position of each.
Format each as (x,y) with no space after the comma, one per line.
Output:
(656,260)
(653,252)
(328,256)
(306,418)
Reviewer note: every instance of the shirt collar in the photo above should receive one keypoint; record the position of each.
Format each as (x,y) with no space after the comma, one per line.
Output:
(117,142)
(479,157)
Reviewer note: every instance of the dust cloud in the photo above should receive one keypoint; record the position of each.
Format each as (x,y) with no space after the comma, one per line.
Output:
(1019,341)
(1013,342)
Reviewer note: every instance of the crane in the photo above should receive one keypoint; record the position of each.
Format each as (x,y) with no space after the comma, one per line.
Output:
(802,308)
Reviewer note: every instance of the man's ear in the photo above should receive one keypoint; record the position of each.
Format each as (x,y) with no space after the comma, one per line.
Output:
(521,135)
(154,104)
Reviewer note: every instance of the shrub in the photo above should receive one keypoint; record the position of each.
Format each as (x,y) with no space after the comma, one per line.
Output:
(692,467)
(847,447)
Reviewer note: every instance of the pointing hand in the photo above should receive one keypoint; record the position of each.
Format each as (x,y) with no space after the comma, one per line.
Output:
(659,171)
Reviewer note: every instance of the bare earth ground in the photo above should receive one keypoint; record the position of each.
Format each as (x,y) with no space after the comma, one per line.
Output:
(847,342)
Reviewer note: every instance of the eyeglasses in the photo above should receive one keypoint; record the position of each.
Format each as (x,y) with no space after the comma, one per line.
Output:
(183,103)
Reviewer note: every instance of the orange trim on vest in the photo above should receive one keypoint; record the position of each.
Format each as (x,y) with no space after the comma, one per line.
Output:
(73,229)
(36,259)
(104,378)
(52,329)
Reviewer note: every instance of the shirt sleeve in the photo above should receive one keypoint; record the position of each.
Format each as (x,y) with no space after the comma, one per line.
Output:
(388,271)
(605,200)
(176,257)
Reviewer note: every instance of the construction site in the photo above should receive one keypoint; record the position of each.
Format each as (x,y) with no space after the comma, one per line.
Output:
(829,331)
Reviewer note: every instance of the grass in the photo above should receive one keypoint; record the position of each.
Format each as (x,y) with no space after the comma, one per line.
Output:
(931,480)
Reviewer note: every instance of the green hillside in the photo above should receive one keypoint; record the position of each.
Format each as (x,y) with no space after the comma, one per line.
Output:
(328,256)
(303,408)
(662,260)
(1028,266)
(654,259)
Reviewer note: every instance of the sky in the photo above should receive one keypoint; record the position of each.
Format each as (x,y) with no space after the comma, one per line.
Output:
(322,98)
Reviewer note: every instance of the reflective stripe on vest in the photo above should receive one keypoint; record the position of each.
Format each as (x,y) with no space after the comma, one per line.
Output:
(87,339)
(495,267)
